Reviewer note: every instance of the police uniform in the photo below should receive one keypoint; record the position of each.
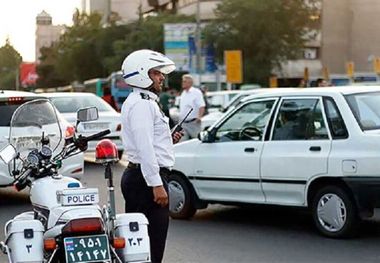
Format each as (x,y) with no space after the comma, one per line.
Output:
(148,143)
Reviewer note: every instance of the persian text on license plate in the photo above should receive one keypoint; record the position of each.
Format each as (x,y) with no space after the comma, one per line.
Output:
(87,249)
(95,126)
(27,142)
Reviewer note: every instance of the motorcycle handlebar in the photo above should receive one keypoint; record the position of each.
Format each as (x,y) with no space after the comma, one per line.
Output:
(81,141)
(97,135)
(21,182)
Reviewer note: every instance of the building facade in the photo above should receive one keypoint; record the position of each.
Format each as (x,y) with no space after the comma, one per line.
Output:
(126,11)
(46,32)
(350,33)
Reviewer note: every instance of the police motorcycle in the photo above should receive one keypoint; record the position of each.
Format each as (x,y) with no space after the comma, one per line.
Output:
(66,224)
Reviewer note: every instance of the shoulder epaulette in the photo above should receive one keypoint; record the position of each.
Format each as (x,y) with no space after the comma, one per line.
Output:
(145,96)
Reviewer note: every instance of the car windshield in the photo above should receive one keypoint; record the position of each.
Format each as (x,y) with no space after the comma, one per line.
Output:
(72,104)
(366,109)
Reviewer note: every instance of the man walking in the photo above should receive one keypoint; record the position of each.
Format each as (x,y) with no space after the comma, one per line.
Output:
(191,98)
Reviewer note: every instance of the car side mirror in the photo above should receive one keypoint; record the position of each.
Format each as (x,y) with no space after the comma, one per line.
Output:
(87,114)
(8,153)
(206,136)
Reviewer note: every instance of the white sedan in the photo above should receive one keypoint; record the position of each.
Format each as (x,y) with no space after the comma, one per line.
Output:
(317,148)
(68,103)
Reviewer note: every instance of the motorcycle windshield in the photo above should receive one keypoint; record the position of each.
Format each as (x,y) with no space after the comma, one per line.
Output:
(33,121)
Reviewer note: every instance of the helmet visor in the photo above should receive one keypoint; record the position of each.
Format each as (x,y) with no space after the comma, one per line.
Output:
(166,69)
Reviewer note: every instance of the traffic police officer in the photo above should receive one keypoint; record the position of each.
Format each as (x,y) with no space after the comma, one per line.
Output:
(148,143)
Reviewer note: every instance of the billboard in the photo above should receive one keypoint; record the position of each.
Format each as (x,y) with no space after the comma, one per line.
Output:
(28,74)
(180,46)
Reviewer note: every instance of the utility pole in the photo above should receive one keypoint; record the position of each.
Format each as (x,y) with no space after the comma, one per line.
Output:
(199,42)
(17,79)
(107,15)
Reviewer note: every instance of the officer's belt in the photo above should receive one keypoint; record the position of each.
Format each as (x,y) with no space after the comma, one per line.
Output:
(138,166)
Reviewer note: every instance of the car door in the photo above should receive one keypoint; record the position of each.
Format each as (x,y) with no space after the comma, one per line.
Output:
(227,169)
(297,150)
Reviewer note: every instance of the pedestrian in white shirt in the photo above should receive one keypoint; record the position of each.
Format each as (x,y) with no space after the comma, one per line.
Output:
(191,98)
(148,143)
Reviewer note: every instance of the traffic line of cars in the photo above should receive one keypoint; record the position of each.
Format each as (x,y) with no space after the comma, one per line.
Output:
(67,105)
(317,148)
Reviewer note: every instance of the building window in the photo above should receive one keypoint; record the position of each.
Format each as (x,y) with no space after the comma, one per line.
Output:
(310,53)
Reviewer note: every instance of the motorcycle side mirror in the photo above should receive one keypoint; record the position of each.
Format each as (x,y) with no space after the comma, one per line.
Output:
(87,114)
(8,153)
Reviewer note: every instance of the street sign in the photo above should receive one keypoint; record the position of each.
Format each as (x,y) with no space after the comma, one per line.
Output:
(234,66)
(350,68)
(376,65)
(273,83)
(306,74)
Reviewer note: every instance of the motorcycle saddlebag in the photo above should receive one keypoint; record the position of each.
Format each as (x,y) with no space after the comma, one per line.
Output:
(24,239)
(134,228)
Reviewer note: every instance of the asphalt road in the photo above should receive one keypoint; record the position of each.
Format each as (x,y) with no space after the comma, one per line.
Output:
(231,234)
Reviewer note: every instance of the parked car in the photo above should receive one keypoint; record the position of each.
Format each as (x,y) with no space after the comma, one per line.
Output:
(68,103)
(213,116)
(326,158)
(9,102)
(217,100)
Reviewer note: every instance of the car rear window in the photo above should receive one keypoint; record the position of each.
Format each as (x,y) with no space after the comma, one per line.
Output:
(72,104)
(366,109)
(7,109)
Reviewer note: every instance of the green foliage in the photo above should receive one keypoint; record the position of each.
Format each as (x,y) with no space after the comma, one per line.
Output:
(268,32)
(89,50)
(10,61)
(144,33)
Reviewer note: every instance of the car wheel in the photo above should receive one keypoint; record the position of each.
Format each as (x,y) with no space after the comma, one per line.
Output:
(120,153)
(181,204)
(334,212)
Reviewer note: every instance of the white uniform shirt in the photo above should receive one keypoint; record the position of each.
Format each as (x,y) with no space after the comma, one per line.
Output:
(146,135)
(192,98)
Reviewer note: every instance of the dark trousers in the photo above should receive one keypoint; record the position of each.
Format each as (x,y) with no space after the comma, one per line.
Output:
(139,198)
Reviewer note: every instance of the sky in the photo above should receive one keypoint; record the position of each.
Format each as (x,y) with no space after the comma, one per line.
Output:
(18,21)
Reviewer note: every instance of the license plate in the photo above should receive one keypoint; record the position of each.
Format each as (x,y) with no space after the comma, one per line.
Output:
(95,126)
(27,142)
(87,249)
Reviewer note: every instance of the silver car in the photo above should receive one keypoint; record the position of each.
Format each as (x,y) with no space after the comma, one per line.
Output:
(10,100)
(68,103)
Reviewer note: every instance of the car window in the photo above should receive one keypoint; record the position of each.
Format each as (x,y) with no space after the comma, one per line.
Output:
(72,104)
(215,101)
(334,119)
(366,109)
(247,123)
(300,119)
(7,109)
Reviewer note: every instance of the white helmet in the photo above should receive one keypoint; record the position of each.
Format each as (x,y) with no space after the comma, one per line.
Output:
(137,64)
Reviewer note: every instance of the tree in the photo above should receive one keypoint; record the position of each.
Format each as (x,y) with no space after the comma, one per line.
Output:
(88,50)
(48,76)
(145,33)
(268,33)
(75,56)
(10,61)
